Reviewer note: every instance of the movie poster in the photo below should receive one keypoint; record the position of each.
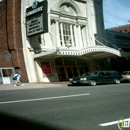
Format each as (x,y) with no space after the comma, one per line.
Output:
(46,69)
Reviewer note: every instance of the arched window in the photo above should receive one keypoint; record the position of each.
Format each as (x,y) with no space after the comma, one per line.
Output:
(66,26)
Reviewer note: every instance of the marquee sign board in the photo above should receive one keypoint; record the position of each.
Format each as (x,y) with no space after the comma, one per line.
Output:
(37,18)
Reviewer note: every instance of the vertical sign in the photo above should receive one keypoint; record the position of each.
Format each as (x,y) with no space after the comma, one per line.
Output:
(46,69)
(37,18)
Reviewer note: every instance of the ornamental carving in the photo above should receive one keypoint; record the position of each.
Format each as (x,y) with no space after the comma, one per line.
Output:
(67,9)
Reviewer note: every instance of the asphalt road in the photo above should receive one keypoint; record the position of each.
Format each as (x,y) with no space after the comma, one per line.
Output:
(65,108)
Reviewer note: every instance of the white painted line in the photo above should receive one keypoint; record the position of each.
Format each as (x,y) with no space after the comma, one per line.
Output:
(113,122)
(38,99)
(109,123)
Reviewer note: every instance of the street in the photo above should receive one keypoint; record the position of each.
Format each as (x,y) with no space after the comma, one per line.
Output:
(66,108)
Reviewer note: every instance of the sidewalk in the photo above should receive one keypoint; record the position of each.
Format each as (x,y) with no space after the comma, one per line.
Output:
(33,85)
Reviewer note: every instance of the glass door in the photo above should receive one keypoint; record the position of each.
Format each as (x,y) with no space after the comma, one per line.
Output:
(75,71)
(69,73)
(61,73)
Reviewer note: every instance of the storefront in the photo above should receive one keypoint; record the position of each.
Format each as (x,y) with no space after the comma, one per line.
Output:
(60,65)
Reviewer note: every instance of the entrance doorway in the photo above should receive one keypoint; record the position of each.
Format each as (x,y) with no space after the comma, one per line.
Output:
(68,67)
(66,72)
(61,73)
(71,71)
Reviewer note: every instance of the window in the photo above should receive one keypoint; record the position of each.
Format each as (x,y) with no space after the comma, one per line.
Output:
(69,61)
(59,61)
(109,73)
(102,74)
(67,36)
(125,30)
(81,61)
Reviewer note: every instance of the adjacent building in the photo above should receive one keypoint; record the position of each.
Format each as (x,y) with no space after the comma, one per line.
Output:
(123,28)
(122,42)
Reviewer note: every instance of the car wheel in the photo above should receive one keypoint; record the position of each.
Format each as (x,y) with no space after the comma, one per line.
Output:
(117,81)
(93,82)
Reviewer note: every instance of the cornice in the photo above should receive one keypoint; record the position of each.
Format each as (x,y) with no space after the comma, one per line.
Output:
(83,1)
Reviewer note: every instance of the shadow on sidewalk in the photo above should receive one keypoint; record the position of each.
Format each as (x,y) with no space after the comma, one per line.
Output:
(17,123)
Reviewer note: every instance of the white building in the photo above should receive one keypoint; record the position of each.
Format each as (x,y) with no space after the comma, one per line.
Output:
(73,43)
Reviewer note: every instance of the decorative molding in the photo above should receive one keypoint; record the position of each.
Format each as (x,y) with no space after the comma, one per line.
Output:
(67,9)
(82,1)
(63,17)
(89,50)
(69,2)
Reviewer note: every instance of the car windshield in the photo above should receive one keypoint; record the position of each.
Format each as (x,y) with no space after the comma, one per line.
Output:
(125,73)
(90,74)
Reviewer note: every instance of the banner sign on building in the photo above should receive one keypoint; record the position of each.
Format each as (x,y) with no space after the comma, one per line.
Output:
(37,18)
(46,69)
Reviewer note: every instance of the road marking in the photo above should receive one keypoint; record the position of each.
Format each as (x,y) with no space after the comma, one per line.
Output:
(113,122)
(38,99)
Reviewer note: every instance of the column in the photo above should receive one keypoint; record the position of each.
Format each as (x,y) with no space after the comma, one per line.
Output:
(62,35)
(76,36)
(87,35)
(84,36)
(58,34)
(71,31)
(53,29)
(80,37)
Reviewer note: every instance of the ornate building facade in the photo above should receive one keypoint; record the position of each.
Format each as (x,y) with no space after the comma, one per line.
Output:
(54,41)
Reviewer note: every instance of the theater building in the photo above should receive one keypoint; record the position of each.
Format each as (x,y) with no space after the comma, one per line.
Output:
(60,39)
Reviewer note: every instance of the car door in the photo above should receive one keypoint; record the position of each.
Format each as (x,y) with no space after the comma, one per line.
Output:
(110,76)
(102,78)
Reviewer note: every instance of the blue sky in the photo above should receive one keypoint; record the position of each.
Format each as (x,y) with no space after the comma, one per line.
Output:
(116,12)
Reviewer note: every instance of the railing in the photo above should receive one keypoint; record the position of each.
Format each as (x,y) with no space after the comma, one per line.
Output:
(112,45)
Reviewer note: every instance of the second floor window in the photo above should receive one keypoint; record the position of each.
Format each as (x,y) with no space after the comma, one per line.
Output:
(67,36)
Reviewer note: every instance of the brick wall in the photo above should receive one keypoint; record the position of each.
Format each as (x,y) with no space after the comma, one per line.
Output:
(123,29)
(11,49)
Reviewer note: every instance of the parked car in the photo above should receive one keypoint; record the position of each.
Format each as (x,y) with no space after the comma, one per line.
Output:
(126,75)
(93,78)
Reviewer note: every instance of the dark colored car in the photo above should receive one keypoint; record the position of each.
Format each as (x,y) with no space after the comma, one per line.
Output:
(93,78)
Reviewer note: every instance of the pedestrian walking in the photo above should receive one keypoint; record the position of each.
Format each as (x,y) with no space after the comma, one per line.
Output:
(17,77)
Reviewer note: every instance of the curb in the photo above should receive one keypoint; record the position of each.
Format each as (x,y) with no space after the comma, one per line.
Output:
(29,86)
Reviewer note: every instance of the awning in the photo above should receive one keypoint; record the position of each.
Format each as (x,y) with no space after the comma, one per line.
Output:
(47,53)
(93,52)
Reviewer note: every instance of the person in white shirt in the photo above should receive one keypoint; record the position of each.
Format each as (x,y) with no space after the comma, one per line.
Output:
(18,82)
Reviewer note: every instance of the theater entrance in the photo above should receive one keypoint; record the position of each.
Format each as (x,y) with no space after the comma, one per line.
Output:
(68,67)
